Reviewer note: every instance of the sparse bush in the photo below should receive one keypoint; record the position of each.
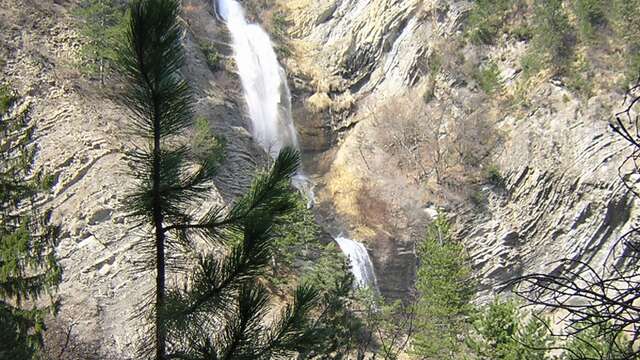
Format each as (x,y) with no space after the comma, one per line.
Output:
(279,23)
(7,98)
(429,91)
(591,15)
(493,176)
(446,56)
(205,144)
(520,97)
(554,36)
(632,73)
(487,19)
(625,20)
(212,56)
(478,198)
(431,140)
(579,79)
(434,63)
(282,50)
(488,78)
(522,32)
(531,63)
(47,181)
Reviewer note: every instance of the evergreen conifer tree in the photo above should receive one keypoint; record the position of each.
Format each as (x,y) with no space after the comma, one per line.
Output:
(445,292)
(102,23)
(220,313)
(28,269)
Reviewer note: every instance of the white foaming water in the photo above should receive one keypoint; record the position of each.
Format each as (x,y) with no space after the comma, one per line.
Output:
(266,90)
(361,265)
(263,79)
(269,103)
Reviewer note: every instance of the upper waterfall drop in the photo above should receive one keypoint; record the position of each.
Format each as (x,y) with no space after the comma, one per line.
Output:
(264,81)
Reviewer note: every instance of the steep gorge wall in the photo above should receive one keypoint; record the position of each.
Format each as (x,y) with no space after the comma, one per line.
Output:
(563,196)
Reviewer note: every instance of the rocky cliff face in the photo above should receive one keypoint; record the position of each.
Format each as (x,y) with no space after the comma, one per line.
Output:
(562,196)
(352,61)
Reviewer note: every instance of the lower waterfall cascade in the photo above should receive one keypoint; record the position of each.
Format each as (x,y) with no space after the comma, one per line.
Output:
(361,265)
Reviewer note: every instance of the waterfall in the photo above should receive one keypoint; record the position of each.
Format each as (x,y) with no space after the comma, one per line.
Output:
(268,99)
(361,265)
(263,80)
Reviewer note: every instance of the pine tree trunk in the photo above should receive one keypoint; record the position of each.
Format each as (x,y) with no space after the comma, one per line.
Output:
(101,72)
(160,237)
(101,66)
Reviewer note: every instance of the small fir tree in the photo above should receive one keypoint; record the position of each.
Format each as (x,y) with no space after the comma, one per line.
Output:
(501,334)
(28,268)
(445,291)
(101,24)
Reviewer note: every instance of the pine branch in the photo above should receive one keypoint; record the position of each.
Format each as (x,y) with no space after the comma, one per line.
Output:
(242,334)
(267,193)
(290,332)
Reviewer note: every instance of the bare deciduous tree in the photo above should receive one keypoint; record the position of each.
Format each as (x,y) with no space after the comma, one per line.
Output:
(440,139)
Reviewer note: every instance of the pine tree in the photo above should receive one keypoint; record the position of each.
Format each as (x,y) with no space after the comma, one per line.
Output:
(28,269)
(339,328)
(220,313)
(445,292)
(102,23)
(502,332)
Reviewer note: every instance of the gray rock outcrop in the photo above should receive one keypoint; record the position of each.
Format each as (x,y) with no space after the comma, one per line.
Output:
(563,196)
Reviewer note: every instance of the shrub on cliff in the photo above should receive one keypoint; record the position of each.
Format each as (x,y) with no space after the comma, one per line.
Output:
(488,78)
(6,98)
(591,16)
(212,56)
(102,25)
(625,20)
(486,20)
(553,36)
(205,145)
